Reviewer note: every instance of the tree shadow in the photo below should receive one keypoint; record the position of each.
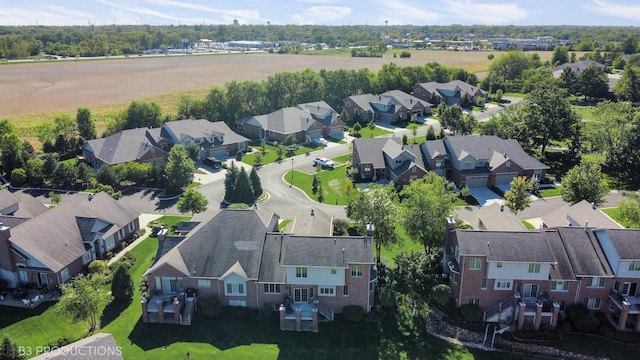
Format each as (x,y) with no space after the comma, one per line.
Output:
(10,315)
(112,311)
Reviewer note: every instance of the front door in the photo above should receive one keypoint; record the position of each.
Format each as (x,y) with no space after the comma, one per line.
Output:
(44,280)
(632,289)
(300,295)
(530,290)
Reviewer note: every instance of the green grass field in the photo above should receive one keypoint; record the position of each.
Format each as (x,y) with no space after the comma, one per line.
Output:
(332,184)
(271,155)
(528,225)
(550,192)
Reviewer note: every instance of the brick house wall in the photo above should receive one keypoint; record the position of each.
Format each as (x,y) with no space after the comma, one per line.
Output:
(409,175)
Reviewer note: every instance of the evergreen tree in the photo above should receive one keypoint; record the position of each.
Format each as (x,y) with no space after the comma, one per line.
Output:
(230,183)
(344,116)
(255,184)
(10,350)
(431,133)
(243,190)
(86,124)
(122,285)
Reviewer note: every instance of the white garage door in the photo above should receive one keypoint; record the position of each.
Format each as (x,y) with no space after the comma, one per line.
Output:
(476,181)
(336,132)
(505,179)
(220,153)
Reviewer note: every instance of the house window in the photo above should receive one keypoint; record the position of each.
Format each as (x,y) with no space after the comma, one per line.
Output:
(455,277)
(345,290)
(301,272)
(414,170)
(593,303)
(64,274)
(334,271)
(499,264)
(131,226)
(475,264)
(625,288)
(474,301)
(356,270)
(467,164)
(87,257)
(109,243)
(595,282)
(204,283)
(508,164)
(327,291)
(417,90)
(484,283)
(347,104)
(634,265)
(560,286)
(438,163)
(271,288)
(234,288)
(534,268)
(502,285)
(366,169)
(563,304)
(530,290)
(121,234)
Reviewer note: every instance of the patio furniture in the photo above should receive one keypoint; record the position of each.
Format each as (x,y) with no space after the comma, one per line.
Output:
(26,302)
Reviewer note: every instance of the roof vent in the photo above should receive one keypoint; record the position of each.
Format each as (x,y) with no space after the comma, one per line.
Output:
(90,197)
(505,155)
(593,205)
(586,225)
(501,207)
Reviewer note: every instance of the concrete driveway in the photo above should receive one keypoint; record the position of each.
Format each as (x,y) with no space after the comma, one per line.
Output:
(485,196)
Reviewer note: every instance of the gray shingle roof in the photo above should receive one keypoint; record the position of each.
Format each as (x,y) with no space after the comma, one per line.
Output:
(577,215)
(434,148)
(448,89)
(562,269)
(55,238)
(294,119)
(521,246)
(202,128)
(100,346)
(577,67)
(270,269)
(370,150)
(484,147)
(626,242)
(325,251)
(125,146)
(584,252)
(402,98)
(494,219)
(7,200)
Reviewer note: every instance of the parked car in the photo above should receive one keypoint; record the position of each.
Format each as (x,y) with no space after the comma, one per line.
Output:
(321,141)
(213,162)
(324,162)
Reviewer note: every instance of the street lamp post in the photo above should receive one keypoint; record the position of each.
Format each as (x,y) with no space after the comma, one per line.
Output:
(291,183)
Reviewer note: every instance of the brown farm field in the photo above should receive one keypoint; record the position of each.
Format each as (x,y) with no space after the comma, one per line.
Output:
(33,92)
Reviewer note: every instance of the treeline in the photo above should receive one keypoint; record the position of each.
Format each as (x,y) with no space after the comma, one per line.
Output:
(19,42)
(237,100)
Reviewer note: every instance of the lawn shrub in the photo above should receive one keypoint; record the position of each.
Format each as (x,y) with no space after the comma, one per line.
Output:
(582,319)
(471,313)
(441,294)
(97,266)
(386,296)
(340,227)
(353,313)
(210,306)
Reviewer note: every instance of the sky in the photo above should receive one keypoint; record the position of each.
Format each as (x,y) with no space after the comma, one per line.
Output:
(321,12)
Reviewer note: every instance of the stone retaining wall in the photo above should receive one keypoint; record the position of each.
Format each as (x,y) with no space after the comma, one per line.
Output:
(453,334)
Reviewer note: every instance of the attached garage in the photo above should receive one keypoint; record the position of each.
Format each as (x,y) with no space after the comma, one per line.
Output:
(315,134)
(476,181)
(336,132)
(219,153)
(505,179)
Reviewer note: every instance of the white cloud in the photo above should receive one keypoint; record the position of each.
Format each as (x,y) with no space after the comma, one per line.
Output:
(248,14)
(484,13)
(403,12)
(600,7)
(322,14)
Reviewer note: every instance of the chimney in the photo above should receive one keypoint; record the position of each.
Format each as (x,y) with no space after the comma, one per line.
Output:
(593,205)
(5,252)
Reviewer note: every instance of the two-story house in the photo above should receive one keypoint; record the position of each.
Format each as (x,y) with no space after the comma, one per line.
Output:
(387,158)
(530,277)
(54,246)
(313,120)
(239,257)
(386,107)
(450,93)
(216,139)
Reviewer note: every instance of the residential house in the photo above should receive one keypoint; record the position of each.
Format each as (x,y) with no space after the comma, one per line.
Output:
(239,257)
(141,145)
(216,139)
(313,120)
(473,161)
(580,214)
(450,93)
(493,217)
(529,277)
(577,67)
(54,246)
(387,158)
(480,161)
(386,107)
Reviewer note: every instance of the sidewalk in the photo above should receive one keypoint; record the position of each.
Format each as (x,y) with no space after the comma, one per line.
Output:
(144,219)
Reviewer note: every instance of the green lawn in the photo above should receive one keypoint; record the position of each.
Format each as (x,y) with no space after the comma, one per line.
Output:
(406,245)
(283,224)
(367,133)
(528,225)
(550,192)
(342,158)
(272,155)
(585,111)
(614,213)
(332,184)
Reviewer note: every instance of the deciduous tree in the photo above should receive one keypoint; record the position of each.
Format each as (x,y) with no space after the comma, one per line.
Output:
(584,182)
(377,206)
(84,299)
(425,207)
(517,198)
(179,169)
(192,201)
